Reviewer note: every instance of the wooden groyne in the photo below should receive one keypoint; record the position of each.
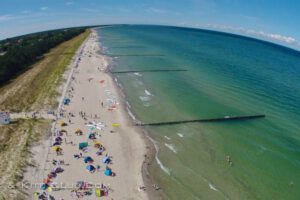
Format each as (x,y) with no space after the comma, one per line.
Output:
(220,119)
(152,70)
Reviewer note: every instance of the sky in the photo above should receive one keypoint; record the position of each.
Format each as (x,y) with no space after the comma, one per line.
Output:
(273,20)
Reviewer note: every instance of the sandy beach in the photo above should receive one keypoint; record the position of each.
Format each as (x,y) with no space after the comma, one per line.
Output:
(92,105)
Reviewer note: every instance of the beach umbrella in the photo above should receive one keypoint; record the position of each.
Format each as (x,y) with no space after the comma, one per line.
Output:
(108,172)
(56,148)
(58,139)
(66,101)
(63,124)
(44,186)
(92,136)
(106,159)
(88,159)
(56,143)
(90,168)
(78,131)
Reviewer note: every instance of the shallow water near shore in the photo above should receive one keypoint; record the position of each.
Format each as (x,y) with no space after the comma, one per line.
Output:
(227,75)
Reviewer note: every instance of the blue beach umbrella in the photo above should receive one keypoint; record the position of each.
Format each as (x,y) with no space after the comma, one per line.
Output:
(44,186)
(108,172)
(90,168)
(106,159)
(88,159)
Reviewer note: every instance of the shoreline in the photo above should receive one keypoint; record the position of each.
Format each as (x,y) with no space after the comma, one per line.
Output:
(151,151)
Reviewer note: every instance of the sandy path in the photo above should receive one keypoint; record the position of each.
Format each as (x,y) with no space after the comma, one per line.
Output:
(124,144)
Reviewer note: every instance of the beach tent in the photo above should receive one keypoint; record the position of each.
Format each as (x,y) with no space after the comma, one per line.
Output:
(90,168)
(115,125)
(106,159)
(88,159)
(67,101)
(82,145)
(108,172)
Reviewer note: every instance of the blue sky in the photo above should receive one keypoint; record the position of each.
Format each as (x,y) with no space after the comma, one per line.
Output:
(274,20)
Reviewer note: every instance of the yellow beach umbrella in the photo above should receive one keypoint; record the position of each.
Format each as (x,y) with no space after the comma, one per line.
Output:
(56,148)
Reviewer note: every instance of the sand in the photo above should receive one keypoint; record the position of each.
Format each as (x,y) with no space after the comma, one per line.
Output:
(87,87)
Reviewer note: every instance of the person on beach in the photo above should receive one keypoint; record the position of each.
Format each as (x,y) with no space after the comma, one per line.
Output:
(228,159)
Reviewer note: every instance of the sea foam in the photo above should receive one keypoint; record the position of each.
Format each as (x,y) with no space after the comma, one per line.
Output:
(171,147)
(147,93)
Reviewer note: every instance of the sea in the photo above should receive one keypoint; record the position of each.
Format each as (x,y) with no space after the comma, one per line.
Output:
(226,75)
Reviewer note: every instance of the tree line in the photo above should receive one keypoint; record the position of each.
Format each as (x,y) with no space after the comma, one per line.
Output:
(19,53)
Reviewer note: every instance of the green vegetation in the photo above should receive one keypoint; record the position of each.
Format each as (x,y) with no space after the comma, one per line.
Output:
(17,54)
(37,87)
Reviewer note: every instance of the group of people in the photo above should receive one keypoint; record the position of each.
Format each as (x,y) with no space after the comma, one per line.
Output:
(101,163)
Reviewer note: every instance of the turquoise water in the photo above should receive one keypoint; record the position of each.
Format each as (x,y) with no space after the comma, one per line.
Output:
(227,75)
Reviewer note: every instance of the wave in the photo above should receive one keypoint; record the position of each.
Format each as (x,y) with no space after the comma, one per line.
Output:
(171,147)
(131,114)
(164,169)
(128,105)
(144,98)
(180,135)
(211,186)
(137,74)
(148,93)
(167,137)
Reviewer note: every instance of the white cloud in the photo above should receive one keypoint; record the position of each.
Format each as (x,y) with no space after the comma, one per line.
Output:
(25,11)
(6,17)
(278,37)
(156,10)
(261,34)
(69,3)
(44,8)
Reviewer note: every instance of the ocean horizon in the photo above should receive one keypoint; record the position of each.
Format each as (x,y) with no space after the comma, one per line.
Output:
(227,75)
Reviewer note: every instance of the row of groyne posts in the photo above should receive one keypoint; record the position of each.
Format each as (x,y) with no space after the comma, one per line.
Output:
(6,117)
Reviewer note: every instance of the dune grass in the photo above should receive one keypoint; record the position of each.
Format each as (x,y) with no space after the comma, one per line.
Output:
(15,140)
(37,87)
